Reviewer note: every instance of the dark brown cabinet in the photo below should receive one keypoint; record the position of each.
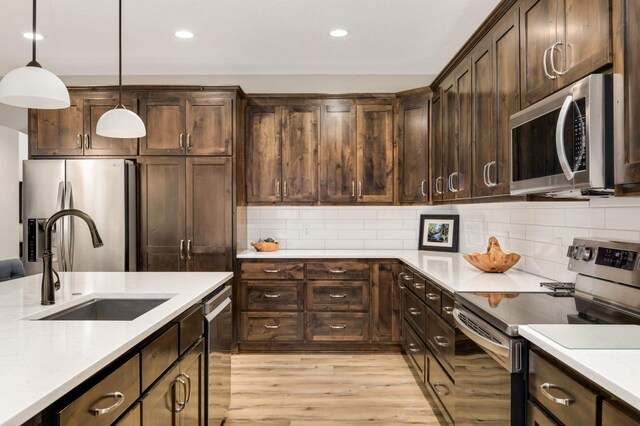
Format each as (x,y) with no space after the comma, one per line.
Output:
(375,153)
(71,131)
(187,124)
(263,154)
(186,214)
(413,149)
(449,136)
(437,149)
(386,313)
(561,42)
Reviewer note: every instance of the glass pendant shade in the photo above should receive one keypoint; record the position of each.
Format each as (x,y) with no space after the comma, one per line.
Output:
(33,87)
(120,123)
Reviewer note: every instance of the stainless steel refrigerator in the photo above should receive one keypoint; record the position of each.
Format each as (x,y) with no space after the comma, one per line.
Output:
(105,189)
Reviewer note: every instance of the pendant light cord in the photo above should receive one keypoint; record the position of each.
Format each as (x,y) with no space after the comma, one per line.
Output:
(33,33)
(119,51)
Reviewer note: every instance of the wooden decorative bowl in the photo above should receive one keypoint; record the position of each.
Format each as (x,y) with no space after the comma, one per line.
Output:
(494,260)
(263,246)
(495,298)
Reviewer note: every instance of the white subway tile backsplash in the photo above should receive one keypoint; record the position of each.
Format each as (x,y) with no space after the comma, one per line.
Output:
(539,231)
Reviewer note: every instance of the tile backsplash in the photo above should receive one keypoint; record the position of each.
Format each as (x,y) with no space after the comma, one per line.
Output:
(539,231)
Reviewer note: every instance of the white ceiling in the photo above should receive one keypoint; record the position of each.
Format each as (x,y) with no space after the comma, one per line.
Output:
(412,37)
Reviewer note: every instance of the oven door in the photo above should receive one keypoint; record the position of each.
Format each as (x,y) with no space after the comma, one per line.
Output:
(490,378)
(558,143)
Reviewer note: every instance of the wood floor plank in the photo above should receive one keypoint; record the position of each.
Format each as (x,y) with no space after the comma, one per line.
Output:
(326,389)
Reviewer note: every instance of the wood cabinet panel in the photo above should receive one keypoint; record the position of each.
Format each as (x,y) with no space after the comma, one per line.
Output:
(158,355)
(272,270)
(162,213)
(192,369)
(158,404)
(191,326)
(386,314)
(462,180)
(338,270)
(338,295)
(271,326)
(413,148)
(375,153)
(209,201)
(337,327)
(95,144)
(441,384)
(57,131)
(209,126)
(416,350)
(164,118)
(300,137)
(537,417)
(263,155)
(272,295)
(132,418)
(449,135)
(338,153)
(441,338)
(415,312)
(437,149)
(614,415)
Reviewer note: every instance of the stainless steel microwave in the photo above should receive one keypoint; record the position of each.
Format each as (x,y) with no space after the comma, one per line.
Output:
(563,144)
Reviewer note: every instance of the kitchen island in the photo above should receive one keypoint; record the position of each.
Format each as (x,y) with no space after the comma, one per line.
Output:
(44,360)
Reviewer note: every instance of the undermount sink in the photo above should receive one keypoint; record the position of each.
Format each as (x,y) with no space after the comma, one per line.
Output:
(103,309)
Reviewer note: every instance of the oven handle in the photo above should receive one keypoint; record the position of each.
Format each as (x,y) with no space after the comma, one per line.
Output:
(481,341)
(562,154)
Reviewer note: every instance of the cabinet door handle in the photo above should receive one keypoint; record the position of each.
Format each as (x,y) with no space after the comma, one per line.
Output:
(422,191)
(437,386)
(271,327)
(439,189)
(181,249)
(79,140)
(360,189)
(433,296)
(562,401)
(557,72)
(189,248)
(401,276)
(448,310)
(284,189)
(183,403)
(188,141)
(337,271)
(414,311)
(451,187)
(544,65)
(86,141)
(188,387)
(492,183)
(181,141)
(337,326)
(272,271)
(484,175)
(353,188)
(277,188)
(118,396)
(271,296)
(441,341)
(338,296)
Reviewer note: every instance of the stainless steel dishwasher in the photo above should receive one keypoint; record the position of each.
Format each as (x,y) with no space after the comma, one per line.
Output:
(218,332)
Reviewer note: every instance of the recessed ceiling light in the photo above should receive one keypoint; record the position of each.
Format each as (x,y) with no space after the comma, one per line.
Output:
(30,36)
(339,33)
(184,34)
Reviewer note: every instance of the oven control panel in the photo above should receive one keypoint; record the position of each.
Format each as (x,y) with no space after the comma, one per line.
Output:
(616,258)
(615,261)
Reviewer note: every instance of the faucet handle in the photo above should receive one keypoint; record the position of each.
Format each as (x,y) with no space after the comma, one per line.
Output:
(56,284)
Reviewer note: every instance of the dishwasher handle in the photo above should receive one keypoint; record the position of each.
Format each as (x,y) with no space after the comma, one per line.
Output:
(219,308)
(217,299)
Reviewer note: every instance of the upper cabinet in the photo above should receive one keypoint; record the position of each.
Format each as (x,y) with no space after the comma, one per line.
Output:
(328,151)
(437,148)
(72,131)
(187,124)
(413,149)
(561,42)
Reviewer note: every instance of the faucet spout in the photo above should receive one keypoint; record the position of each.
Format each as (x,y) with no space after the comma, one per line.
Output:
(49,286)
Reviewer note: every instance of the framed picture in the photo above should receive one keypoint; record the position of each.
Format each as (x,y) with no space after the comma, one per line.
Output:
(439,232)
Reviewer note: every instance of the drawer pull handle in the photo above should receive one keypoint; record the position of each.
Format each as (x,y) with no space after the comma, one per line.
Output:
(271,296)
(338,296)
(433,296)
(418,286)
(414,350)
(414,311)
(441,341)
(406,277)
(562,401)
(337,271)
(448,310)
(271,327)
(337,326)
(411,345)
(272,271)
(119,397)
(437,386)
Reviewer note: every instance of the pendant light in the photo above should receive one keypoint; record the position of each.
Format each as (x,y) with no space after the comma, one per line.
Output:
(120,122)
(32,86)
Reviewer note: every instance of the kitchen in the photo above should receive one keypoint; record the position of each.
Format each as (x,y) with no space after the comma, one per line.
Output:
(430,217)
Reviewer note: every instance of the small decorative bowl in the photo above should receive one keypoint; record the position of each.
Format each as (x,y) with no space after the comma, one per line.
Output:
(264,246)
(494,260)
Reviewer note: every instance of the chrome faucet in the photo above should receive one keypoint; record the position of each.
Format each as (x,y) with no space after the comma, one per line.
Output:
(49,286)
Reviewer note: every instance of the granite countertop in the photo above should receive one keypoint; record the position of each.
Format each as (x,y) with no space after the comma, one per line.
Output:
(450,270)
(46,359)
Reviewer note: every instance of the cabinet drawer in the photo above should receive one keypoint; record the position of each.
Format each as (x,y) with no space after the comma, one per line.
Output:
(441,384)
(574,404)
(447,307)
(537,417)
(272,270)
(338,296)
(415,348)
(405,279)
(272,295)
(616,416)
(433,296)
(120,387)
(132,418)
(191,327)
(322,327)
(441,338)
(158,355)
(415,312)
(272,326)
(337,270)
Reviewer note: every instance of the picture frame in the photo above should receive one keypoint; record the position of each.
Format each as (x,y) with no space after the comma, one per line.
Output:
(439,232)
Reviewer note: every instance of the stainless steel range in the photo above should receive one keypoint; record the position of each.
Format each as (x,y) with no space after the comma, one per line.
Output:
(607,291)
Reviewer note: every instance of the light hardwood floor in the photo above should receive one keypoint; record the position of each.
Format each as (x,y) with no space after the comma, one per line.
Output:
(326,389)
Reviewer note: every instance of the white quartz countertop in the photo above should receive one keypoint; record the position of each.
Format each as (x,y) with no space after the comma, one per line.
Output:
(616,370)
(450,270)
(43,360)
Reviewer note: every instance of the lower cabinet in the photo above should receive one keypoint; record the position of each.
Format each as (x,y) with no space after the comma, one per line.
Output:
(132,417)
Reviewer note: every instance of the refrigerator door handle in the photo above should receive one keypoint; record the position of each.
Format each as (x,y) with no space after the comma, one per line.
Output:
(70,234)
(62,260)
